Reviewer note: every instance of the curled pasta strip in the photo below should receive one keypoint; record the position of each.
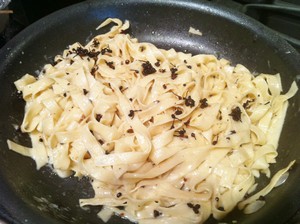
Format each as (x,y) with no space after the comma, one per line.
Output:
(165,136)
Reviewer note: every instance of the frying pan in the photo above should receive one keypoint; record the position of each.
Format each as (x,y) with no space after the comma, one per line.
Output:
(31,196)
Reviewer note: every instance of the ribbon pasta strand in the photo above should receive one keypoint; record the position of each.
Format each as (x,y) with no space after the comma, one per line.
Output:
(165,136)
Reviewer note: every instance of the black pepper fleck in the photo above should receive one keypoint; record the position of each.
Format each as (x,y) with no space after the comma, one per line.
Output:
(173,76)
(110,64)
(190,205)
(130,131)
(148,69)
(187,123)
(221,208)
(105,50)
(189,102)
(173,70)
(98,117)
(178,112)
(119,194)
(124,31)
(247,105)
(131,114)
(181,133)
(85,91)
(236,114)
(174,73)
(93,70)
(203,103)
(193,135)
(96,42)
(156,213)
(151,119)
(80,51)
(195,207)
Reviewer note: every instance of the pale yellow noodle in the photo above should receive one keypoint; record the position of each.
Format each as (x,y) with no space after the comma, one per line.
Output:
(170,137)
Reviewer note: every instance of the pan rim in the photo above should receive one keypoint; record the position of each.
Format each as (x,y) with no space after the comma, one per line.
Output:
(249,23)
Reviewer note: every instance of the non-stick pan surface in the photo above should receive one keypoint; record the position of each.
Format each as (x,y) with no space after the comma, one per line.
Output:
(31,196)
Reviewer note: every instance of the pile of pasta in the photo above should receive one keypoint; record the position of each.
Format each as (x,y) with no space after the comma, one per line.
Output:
(164,136)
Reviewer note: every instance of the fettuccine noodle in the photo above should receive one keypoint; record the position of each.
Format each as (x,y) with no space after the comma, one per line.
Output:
(165,136)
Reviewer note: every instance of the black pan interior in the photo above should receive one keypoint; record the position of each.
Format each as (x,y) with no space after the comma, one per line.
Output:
(30,196)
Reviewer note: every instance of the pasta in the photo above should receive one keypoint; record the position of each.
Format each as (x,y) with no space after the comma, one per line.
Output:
(165,136)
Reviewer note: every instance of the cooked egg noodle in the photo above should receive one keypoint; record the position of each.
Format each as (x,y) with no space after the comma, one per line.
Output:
(163,135)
